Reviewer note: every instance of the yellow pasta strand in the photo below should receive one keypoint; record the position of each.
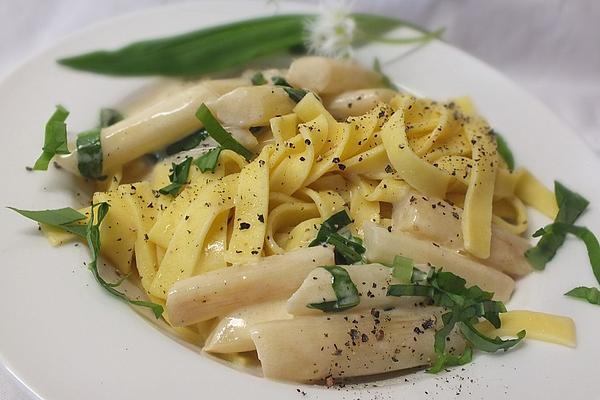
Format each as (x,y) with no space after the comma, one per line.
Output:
(251,211)
(415,171)
(477,215)
(189,236)
(539,326)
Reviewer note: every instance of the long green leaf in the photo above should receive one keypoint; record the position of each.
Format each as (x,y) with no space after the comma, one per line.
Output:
(93,240)
(62,218)
(220,47)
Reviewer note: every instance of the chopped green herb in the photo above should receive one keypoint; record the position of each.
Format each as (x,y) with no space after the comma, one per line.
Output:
(465,306)
(89,154)
(178,177)
(63,218)
(348,249)
(504,151)
(570,207)
(219,134)
(258,79)
(187,143)
(345,291)
(403,268)
(280,81)
(109,116)
(590,294)
(93,240)
(588,238)
(445,360)
(487,344)
(295,94)
(209,160)
(387,82)
(55,138)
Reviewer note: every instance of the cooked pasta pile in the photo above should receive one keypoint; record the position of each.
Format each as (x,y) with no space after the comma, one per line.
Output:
(418,178)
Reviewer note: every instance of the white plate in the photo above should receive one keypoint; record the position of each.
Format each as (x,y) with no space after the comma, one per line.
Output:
(66,339)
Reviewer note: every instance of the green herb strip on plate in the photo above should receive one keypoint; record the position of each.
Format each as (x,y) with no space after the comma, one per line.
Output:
(590,294)
(464,305)
(89,154)
(178,177)
(63,218)
(187,143)
(55,138)
(109,117)
(93,240)
(348,249)
(570,207)
(219,134)
(345,291)
(209,160)
(504,151)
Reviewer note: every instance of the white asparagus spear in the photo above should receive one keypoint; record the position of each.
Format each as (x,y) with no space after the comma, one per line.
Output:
(328,76)
(313,348)
(371,281)
(232,333)
(249,106)
(221,291)
(382,246)
(155,127)
(439,221)
(357,102)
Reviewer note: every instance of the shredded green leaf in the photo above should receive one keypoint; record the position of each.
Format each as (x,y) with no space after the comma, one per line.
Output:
(295,94)
(258,79)
(387,82)
(178,177)
(403,268)
(348,249)
(89,154)
(280,81)
(465,306)
(570,206)
(209,160)
(487,344)
(345,291)
(583,233)
(504,151)
(93,240)
(109,116)
(446,360)
(55,138)
(590,294)
(219,134)
(63,218)
(187,143)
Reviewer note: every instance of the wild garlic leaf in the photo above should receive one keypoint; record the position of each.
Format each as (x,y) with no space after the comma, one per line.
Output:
(55,138)
(219,134)
(345,291)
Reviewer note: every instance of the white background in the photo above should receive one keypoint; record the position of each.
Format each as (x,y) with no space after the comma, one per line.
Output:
(550,47)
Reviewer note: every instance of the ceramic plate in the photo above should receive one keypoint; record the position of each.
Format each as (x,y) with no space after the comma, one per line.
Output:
(65,338)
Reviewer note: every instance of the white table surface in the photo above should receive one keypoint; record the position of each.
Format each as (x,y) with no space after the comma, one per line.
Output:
(550,47)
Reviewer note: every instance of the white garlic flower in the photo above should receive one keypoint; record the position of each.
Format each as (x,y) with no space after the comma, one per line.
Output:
(331,32)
